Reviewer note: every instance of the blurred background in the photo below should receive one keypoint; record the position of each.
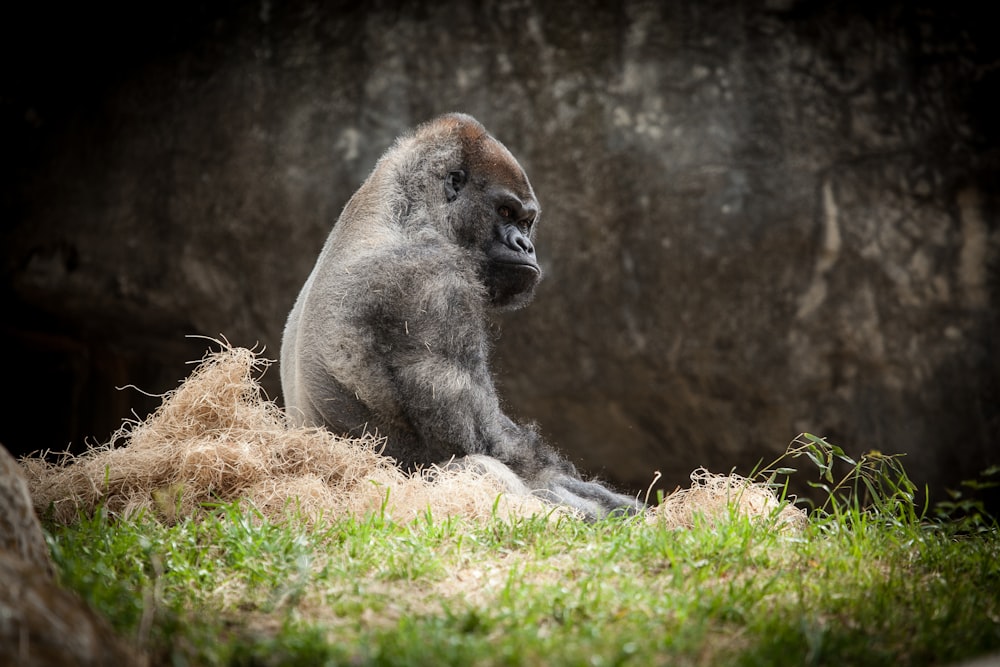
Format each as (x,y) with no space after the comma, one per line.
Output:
(761,218)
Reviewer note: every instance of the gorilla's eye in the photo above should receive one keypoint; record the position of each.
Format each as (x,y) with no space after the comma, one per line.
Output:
(504,212)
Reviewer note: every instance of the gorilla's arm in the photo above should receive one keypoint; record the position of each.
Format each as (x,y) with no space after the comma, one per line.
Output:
(439,369)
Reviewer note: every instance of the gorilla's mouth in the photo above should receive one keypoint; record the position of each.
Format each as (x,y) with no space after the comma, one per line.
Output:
(519,266)
(511,278)
(515,277)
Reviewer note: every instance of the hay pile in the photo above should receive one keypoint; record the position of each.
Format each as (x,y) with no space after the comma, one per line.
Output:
(216,439)
(713,498)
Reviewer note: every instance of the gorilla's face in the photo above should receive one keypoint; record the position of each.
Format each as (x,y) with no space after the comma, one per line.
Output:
(496,214)
(512,270)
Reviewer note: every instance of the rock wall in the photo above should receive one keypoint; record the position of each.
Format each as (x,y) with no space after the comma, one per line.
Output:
(760,218)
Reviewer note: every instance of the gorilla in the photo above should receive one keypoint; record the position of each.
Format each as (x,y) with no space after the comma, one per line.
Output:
(389,332)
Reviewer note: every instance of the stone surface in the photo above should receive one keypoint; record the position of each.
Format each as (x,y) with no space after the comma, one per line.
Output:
(20,531)
(42,624)
(760,218)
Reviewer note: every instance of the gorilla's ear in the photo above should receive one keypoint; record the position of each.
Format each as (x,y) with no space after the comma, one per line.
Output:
(453,184)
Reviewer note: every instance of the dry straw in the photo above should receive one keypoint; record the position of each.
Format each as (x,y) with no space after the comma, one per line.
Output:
(216,438)
(713,498)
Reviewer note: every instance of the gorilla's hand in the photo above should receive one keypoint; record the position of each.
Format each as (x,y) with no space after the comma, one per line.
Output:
(591,499)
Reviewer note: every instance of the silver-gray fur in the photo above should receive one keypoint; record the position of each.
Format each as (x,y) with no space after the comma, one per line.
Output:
(389,332)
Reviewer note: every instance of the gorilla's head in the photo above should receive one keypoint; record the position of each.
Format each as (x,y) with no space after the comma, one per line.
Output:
(493,210)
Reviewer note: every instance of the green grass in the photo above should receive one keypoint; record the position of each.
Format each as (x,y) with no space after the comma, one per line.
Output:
(871,581)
